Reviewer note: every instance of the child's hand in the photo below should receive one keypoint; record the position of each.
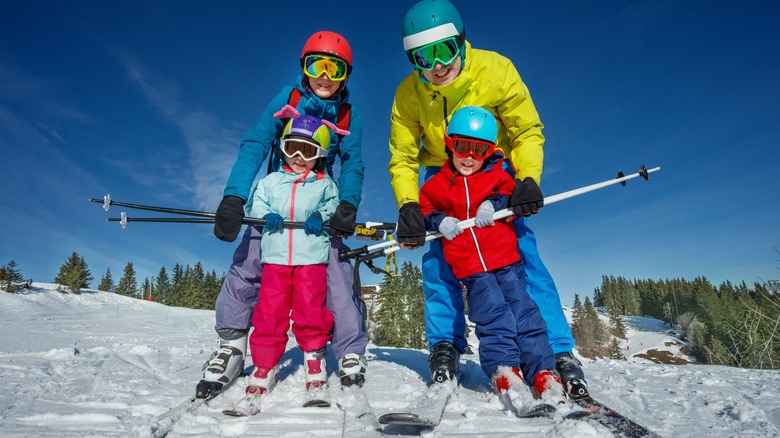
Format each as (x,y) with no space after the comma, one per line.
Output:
(450,228)
(484,216)
(273,222)
(313,224)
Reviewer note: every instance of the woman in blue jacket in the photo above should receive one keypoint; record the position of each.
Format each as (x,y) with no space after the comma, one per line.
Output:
(320,91)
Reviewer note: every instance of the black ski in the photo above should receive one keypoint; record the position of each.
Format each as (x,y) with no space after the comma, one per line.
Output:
(619,425)
(425,411)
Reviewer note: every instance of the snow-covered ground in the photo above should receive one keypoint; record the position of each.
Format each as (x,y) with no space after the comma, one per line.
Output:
(98,364)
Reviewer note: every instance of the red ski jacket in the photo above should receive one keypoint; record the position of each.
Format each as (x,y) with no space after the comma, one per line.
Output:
(449,193)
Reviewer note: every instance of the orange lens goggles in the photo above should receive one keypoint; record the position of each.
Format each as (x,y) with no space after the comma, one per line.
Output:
(463,147)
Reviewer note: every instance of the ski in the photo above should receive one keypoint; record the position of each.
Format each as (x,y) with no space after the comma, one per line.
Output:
(359,418)
(165,422)
(534,411)
(246,407)
(427,410)
(619,425)
(317,397)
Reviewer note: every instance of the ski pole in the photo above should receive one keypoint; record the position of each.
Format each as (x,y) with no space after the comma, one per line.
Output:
(108,202)
(361,232)
(392,245)
(369,229)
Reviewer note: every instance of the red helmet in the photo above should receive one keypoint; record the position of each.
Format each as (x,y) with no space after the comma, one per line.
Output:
(330,43)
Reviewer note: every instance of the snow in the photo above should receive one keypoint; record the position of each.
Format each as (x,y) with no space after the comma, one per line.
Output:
(99,364)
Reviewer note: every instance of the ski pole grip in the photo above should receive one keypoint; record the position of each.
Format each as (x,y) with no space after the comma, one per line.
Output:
(353,254)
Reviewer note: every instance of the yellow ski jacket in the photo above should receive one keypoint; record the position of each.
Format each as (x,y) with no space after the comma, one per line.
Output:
(422,110)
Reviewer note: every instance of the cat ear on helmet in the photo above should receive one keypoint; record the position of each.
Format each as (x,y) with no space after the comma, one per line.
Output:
(288,111)
(335,128)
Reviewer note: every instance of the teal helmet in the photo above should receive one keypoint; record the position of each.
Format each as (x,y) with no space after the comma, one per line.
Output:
(473,122)
(430,21)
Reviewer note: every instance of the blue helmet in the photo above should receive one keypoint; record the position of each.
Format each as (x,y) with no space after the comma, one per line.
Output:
(473,122)
(429,21)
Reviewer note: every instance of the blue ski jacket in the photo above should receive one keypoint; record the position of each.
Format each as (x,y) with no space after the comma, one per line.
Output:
(264,138)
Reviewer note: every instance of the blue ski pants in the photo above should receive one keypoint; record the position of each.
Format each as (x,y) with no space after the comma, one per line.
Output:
(510,327)
(444,307)
(238,295)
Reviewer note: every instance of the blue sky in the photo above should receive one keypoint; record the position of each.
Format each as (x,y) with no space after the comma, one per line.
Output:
(148,101)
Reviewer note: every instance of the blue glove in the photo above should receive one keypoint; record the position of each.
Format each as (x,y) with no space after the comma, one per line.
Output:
(484,216)
(273,222)
(449,228)
(313,224)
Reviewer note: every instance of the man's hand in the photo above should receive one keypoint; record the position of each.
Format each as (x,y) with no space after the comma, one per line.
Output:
(411,226)
(230,215)
(342,224)
(526,198)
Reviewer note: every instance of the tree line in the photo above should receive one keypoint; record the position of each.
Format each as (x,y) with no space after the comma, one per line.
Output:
(185,286)
(731,324)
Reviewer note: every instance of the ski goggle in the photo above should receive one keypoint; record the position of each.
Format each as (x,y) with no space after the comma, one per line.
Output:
(463,147)
(444,51)
(335,69)
(305,149)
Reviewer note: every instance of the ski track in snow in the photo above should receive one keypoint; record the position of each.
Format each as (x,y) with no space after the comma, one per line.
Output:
(98,364)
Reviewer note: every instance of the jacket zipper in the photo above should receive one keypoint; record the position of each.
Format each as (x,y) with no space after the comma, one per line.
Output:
(471,230)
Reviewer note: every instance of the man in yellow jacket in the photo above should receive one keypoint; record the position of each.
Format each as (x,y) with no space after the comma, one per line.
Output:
(450,74)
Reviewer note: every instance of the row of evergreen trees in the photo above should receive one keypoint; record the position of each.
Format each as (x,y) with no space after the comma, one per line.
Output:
(728,325)
(186,286)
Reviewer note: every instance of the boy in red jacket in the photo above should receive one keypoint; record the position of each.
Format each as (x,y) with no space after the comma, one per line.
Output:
(472,184)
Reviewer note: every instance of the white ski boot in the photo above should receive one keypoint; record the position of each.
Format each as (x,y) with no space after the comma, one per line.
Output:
(352,370)
(316,379)
(225,365)
(261,382)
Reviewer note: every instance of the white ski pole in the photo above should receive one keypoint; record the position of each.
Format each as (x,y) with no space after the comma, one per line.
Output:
(507,212)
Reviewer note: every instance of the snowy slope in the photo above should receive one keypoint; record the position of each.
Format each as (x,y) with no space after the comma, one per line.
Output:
(98,364)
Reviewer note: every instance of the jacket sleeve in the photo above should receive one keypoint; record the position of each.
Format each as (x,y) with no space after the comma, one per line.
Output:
(351,156)
(432,215)
(260,202)
(405,144)
(254,148)
(518,114)
(329,201)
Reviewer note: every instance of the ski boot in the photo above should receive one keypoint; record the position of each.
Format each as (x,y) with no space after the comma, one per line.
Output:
(316,379)
(262,381)
(573,379)
(224,366)
(548,387)
(507,377)
(443,362)
(352,370)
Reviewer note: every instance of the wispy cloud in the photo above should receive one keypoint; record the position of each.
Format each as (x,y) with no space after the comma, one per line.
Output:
(206,136)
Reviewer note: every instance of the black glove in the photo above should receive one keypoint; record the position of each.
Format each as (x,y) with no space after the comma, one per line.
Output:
(342,224)
(526,198)
(411,226)
(230,214)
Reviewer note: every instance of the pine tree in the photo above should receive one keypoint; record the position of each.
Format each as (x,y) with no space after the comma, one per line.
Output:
(74,274)
(107,282)
(399,320)
(615,352)
(127,286)
(11,278)
(618,328)
(162,286)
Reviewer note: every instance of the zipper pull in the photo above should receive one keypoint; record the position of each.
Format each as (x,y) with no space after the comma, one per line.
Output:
(433,97)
